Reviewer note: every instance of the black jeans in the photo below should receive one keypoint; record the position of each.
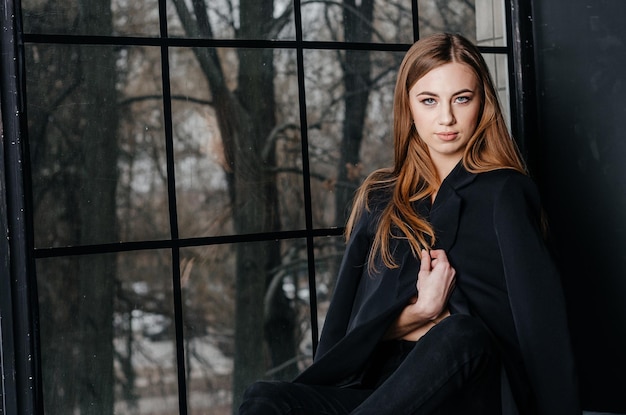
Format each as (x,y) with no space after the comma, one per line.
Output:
(453,369)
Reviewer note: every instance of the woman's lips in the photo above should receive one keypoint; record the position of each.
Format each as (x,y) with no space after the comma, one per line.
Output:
(447,136)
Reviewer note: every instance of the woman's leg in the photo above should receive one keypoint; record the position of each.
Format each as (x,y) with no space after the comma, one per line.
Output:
(287,398)
(454,368)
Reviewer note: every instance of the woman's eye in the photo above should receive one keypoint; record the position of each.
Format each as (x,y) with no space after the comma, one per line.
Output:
(428,101)
(462,100)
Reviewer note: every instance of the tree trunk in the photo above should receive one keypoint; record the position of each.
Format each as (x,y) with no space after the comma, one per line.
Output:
(264,334)
(256,210)
(357,84)
(97,215)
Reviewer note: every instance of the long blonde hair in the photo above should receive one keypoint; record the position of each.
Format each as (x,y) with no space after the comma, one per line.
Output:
(413,175)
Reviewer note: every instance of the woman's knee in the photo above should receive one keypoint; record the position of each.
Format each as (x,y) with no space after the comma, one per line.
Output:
(262,397)
(460,329)
(261,389)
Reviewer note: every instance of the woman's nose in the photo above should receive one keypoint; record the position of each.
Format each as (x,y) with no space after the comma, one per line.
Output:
(446,117)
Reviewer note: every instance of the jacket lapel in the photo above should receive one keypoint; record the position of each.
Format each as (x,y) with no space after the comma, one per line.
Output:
(445,213)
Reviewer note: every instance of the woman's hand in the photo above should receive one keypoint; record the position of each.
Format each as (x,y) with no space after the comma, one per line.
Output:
(434,285)
(435,282)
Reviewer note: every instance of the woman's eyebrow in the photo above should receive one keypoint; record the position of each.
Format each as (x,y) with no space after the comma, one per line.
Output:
(427,93)
(462,91)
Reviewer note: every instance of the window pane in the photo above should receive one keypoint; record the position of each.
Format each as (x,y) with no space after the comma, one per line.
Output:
(328,255)
(107,338)
(202,196)
(142,207)
(342,154)
(454,16)
(209,297)
(73,156)
(146,369)
(96,144)
(498,67)
(107,17)
(246,317)
(490,23)
(134,18)
(251,152)
(224,19)
(377,21)
(481,21)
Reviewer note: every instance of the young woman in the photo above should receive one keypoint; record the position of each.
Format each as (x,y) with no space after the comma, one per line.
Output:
(447,300)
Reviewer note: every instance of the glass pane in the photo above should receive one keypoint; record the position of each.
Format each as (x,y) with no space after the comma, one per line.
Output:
(235,296)
(490,23)
(96,144)
(100,17)
(328,255)
(243,144)
(343,153)
(142,207)
(209,301)
(454,16)
(201,182)
(107,338)
(145,334)
(225,19)
(377,21)
(498,67)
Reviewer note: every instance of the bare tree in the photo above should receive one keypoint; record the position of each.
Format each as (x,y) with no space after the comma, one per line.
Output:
(246,118)
(358,27)
(74,159)
(98,150)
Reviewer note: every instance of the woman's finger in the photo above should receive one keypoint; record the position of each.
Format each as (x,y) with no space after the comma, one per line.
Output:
(439,254)
(425,264)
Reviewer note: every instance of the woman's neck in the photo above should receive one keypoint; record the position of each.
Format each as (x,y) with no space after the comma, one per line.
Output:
(444,167)
(444,171)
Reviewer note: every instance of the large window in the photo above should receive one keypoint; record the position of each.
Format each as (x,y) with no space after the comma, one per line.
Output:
(191,164)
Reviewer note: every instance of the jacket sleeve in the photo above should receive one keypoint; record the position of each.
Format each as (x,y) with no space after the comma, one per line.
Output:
(352,266)
(536,298)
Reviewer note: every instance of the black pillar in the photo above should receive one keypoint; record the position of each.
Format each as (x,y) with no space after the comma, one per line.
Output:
(580,55)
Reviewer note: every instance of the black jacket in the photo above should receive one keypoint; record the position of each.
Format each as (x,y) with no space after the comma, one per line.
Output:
(489,225)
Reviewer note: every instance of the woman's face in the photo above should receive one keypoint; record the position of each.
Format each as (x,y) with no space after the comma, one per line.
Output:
(445,104)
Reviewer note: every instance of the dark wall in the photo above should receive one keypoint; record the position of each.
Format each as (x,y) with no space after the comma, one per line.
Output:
(580,56)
